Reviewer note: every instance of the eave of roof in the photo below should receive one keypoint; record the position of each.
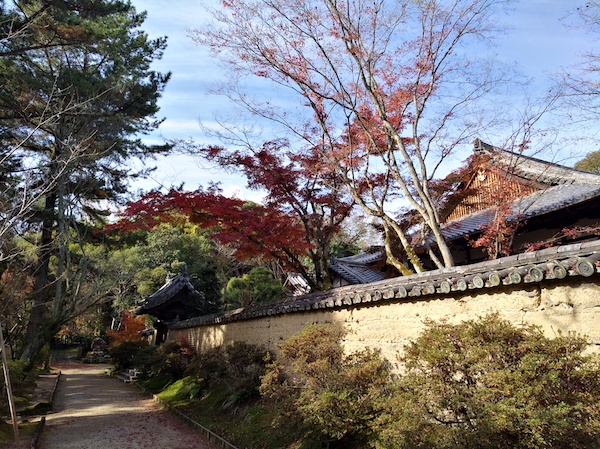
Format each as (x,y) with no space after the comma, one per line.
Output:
(169,289)
(356,274)
(534,169)
(535,204)
(355,269)
(576,260)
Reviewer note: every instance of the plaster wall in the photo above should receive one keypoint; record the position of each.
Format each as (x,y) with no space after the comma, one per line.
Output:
(572,305)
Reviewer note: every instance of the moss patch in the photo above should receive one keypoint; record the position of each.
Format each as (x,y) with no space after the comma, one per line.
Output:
(7,437)
(250,424)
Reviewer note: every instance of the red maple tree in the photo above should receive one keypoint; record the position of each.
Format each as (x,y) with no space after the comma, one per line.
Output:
(301,185)
(384,90)
(130,329)
(251,230)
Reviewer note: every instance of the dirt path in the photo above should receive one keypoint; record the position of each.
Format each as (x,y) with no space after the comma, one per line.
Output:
(94,411)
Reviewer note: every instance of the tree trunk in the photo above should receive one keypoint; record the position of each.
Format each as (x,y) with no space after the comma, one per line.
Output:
(41,289)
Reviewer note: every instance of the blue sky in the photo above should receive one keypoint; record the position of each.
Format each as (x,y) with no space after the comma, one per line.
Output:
(538,43)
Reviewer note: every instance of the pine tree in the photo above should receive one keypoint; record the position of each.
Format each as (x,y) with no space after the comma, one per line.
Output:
(76,93)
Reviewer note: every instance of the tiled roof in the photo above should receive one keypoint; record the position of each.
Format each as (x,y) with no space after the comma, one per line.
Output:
(580,260)
(170,288)
(532,168)
(565,186)
(297,284)
(355,269)
(538,203)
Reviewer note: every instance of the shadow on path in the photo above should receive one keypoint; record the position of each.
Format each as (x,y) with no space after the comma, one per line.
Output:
(94,411)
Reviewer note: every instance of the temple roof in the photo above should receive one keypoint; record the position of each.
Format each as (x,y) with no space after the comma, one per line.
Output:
(169,290)
(538,203)
(534,169)
(357,269)
(556,187)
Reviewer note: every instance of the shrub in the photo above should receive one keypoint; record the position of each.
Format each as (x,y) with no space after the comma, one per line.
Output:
(130,329)
(239,366)
(173,358)
(207,366)
(258,286)
(146,359)
(124,353)
(335,395)
(22,381)
(488,384)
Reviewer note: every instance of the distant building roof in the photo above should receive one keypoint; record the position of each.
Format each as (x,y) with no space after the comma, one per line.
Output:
(560,187)
(534,169)
(357,269)
(177,288)
(538,203)
(296,284)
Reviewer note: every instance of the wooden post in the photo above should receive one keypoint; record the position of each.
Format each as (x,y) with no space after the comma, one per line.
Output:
(11,401)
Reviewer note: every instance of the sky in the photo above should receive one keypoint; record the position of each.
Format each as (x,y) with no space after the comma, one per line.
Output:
(538,43)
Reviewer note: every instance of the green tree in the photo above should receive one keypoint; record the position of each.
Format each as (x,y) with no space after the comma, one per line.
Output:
(72,111)
(590,163)
(489,384)
(138,264)
(167,248)
(258,286)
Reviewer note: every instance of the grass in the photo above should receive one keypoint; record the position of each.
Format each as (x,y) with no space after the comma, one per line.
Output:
(36,409)
(156,384)
(7,437)
(250,423)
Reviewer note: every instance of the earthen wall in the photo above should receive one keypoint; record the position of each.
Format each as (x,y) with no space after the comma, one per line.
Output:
(558,306)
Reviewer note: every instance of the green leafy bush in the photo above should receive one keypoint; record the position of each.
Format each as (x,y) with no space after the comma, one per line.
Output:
(207,366)
(480,384)
(258,286)
(22,382)
(334,395)
(239,366)
(146,359)
(489,384)
(173,358)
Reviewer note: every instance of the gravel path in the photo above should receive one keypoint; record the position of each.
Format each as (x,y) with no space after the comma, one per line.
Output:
(94,411)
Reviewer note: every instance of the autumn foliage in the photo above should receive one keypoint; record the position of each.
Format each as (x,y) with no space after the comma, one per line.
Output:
(303,210)
(130,330)
(385,91)
(301,184)
(252,230)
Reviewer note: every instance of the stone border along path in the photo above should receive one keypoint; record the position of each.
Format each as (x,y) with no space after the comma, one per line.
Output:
(94,411)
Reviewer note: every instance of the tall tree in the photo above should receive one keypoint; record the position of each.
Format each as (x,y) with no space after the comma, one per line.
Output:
(143,263)
(590,163)
(388,85)
(76,92)
(296,183)
(27,27)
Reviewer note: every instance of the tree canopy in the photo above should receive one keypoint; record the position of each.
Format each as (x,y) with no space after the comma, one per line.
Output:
(590,163)
(253,231)
(76,94)
(386,92)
